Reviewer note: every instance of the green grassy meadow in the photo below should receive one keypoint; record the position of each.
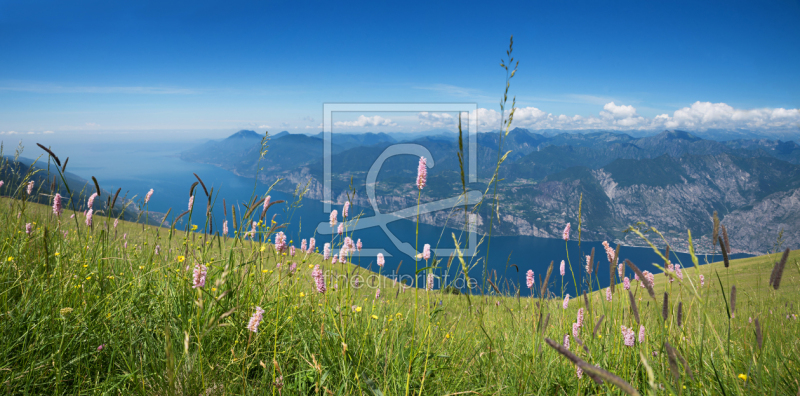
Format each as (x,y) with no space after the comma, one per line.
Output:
(99,312)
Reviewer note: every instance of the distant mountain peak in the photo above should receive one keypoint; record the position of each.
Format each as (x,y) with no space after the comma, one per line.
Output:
(677,135)
(280,134)
(245,134)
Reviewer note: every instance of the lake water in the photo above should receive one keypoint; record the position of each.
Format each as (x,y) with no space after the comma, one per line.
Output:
(137,167)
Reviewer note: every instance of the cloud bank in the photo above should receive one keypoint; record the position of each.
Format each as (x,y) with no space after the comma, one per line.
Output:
(699,116)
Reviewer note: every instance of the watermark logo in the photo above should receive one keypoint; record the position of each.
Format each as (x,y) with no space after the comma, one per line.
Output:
(469,114)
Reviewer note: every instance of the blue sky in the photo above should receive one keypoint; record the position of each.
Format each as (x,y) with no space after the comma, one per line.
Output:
(70,66)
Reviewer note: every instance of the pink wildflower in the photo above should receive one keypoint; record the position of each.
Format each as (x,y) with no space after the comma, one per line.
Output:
(326,251)
(191,202)
(589,264)
(575,329)
(650,278)
(199,276)
(626,283)
(225,227)
(335,259)
(147,197)
(312,243)
(28,228)
(303,245)
(116,223)
(255,320)
(628,336)
(266,203)
(641,334)
(89,218)
(100,347)
(702,280)
(563,269)
(346,209)
(377,294)
(341,228)
(529,278)
(253,230)
(319,279)
(422,173)
(608,294)
(566,341)
(609,251)
(280,242)
(91,200)
(334,214)
(621,269)
(678,271)
(579,318)
(342,256)
(566,301)
(429,283)
(291,251)
(381,260)
(566,232)
(293,268)
(57,205)
(158,249)
(578,371)
(30,187)
(358,245)
(426,252)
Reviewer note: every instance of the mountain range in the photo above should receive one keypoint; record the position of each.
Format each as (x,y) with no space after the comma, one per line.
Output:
(673,181)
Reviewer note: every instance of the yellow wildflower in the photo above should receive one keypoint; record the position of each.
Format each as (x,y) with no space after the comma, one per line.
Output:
(181,258)
(358,309)
(194,227)
(742,377)
(375,317)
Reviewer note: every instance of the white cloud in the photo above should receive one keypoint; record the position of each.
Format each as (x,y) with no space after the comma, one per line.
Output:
(617,112)
(698,116)
(364,121)
(47,132)
(437,120)
(264,127)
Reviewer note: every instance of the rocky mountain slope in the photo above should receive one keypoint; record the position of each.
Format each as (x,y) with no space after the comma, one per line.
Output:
(672,181)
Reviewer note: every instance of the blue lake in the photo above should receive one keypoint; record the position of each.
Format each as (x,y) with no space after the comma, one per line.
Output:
(137,167)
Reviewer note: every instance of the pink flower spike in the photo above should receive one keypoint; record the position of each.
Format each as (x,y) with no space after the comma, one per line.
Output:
(377,294)
(626,283)
(266,203)
(255,320)
(529,279)
(579,318)
(319,279)
(358,245)
(641,334)
(89,218)
(147,197)
(326,251)
(566,341)
(608,294)
(341,229)
(335,259)
(291,251)
(346,210)
(426,252)
(429,283)
(91,200)
(225,228)
(28,228)
(312,243)
(566,232)
(575,328)
(30,187)
(303,245)
(334,214)
(563,268)
(381,260)
(191,202)
(628,336)
(57,205)
(422,173)
(199,276)
(566,301)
